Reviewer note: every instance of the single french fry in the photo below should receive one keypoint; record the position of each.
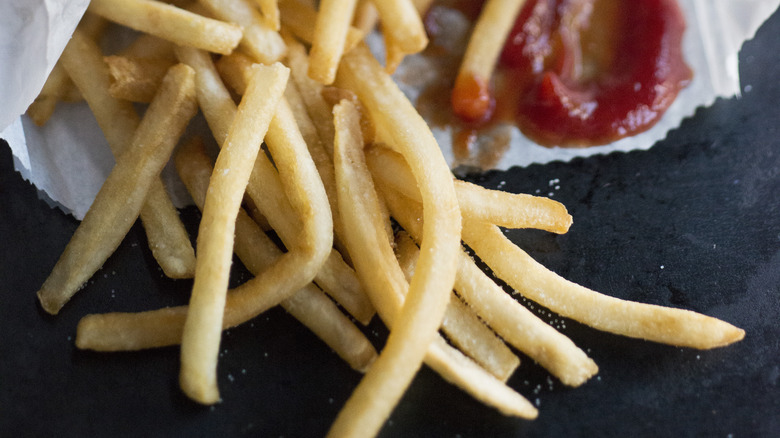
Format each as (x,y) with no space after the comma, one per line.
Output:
(93,25)
(232,69)
(509,210)
(149,46)
(168,239)
(461,325)
(260,41)
(320,156)
(463,372)
(170,23)
(270,11)
(366,16)
(321,315)
(311,93)
(203,326)
(52,92)
(402,22)
(394,55)
(121,197)
(375,263)
(471,96)
(135,79)
(422,6)
(265,189)
(58,86)
(330,35)
(666,325)
(512,321)
(298,17)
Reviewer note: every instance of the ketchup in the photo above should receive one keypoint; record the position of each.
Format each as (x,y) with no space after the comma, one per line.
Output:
(588,72)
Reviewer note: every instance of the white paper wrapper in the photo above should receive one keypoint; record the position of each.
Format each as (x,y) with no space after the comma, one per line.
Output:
(68,159)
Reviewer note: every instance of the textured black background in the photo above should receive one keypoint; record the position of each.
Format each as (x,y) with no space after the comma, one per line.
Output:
(694,223)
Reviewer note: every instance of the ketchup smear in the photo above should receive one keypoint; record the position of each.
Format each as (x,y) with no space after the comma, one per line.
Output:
(585,72)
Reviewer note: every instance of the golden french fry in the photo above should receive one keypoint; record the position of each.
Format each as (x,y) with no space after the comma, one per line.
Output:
(401,21)
(422,6)
(394,55)
(318,312)
(93,25)
(52,92)
(667,325)
(121,197)
(461,325)
(170,23)
(260,41)
(168,239)
(366,16)
(374,260)
(319,154)
(270,10)
(459,370)
(232,69)
(330,35)
(149,46)
(203,326)
(511,320)
(471,96)
(298,18)
(504,209)
(135,79)
(311,93)
(58,85)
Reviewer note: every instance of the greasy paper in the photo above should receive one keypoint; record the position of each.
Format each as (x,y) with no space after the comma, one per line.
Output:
(68,158)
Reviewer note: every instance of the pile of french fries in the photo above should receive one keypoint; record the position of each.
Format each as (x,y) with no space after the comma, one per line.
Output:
(318,145)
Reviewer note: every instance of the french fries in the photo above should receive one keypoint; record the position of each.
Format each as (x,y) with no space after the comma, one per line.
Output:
(499,208)
(118,120)
(336,162)
(512,321)
(265,189)
(134,331)
(374,260)
(667,325)
(462,326)
(122,195)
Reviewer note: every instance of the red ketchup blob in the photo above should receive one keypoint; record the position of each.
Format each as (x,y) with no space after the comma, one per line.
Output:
(588,72)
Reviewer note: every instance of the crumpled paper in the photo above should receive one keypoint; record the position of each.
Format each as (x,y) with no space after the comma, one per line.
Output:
(68,159)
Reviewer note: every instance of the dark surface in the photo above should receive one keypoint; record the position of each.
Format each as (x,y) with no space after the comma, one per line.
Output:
(694,223)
